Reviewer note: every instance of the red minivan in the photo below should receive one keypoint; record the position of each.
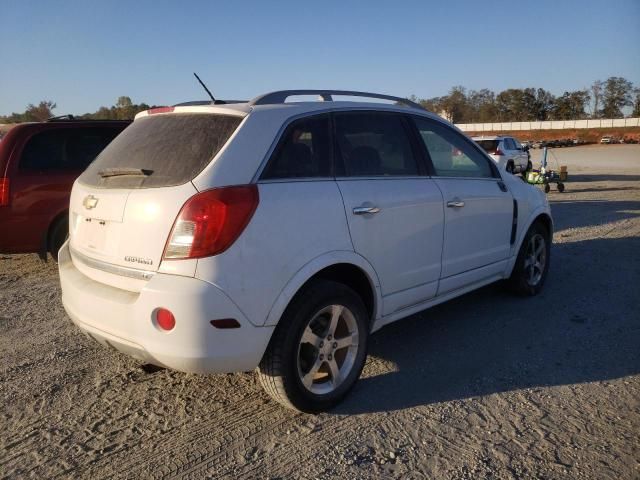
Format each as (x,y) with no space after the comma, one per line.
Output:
(38,165)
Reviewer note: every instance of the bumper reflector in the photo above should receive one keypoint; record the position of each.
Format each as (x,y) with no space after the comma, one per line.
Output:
(165,319)
(225,323)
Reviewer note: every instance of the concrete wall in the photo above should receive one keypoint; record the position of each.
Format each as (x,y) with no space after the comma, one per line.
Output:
(549,125)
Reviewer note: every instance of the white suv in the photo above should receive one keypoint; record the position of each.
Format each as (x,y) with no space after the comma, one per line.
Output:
(225,237)
(506,152)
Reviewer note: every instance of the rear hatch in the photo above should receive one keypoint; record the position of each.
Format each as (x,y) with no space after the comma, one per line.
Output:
(124,205)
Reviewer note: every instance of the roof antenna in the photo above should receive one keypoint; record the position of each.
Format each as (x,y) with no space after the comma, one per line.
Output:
(213,100)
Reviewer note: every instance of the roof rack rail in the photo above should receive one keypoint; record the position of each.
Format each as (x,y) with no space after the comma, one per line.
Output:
(58,118)
(73,118)
(327,96)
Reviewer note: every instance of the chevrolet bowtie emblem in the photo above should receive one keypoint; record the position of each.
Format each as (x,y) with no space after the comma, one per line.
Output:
(90,202)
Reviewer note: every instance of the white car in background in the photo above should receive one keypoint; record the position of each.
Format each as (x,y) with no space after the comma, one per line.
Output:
(274,235)
(506,152)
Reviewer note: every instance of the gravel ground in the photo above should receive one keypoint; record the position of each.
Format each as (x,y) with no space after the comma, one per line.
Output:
(485,386)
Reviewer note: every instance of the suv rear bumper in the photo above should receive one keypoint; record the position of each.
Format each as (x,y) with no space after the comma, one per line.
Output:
(124,320)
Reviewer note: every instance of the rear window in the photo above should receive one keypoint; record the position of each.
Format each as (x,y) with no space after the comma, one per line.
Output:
(169,149)
(65,149)
(488,146)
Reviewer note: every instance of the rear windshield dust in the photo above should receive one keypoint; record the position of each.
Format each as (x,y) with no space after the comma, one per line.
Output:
(174,148)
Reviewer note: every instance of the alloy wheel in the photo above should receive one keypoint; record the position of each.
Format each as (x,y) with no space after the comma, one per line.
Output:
(535,259)
(327,350)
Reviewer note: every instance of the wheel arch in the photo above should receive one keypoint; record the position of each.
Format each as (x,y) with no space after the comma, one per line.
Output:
(348,268)
(46,236)
(60,217)
(539,215)
(546,220)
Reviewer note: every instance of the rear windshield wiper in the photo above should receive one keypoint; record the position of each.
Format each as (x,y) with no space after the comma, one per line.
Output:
(121,171)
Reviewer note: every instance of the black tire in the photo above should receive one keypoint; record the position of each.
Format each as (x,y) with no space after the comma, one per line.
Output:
(547,188)
(520,280)
(58,234)
(529,166)
(509,168)
(279,371)
(561,187)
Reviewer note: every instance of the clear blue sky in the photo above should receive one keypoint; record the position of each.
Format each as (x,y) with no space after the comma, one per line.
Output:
(84,54)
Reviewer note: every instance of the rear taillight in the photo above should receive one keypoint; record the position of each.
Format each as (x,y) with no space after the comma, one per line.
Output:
(211,221)
(498,152)
(4,192)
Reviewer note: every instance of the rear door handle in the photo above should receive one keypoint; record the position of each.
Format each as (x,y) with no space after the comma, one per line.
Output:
(365,210)
(455,204)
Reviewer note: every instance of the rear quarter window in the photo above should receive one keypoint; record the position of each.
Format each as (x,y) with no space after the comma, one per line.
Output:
(174,148)
(44,151)
(65,149)
(303,152)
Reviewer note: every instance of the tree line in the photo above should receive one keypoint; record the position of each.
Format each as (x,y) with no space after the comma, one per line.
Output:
(604,99)
(124,109)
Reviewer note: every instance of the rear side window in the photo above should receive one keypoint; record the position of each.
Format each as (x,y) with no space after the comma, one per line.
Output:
(374,144)
(509,144)
(44,151)
(452,155)
(303,152)
(65,149)
(489,146)
(169,149)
